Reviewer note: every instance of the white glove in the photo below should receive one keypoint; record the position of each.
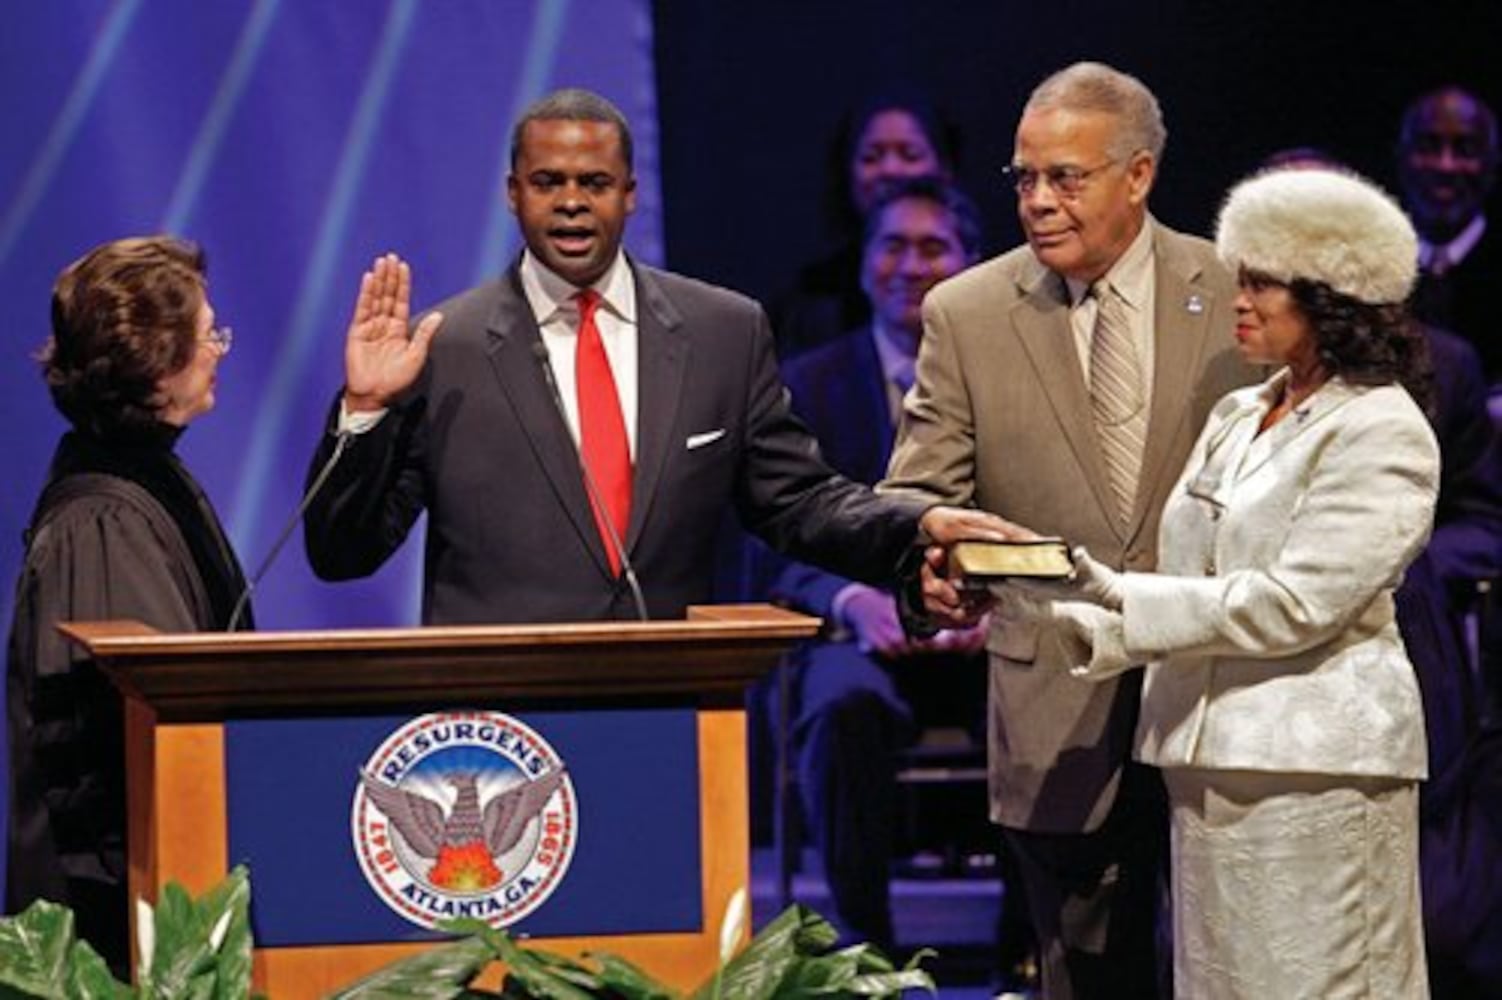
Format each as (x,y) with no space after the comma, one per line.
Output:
(1096,582)
(1093,644)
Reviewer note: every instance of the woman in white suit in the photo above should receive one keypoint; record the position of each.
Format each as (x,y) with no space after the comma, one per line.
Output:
(1279,702)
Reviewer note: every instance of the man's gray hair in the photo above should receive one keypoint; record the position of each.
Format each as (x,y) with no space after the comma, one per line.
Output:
(573,104)
(1093,86)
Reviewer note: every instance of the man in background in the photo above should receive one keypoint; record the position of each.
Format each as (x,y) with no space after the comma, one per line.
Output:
(1447,163)
(853,688)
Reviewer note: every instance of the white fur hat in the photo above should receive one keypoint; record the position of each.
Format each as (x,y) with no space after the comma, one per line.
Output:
(1320,225)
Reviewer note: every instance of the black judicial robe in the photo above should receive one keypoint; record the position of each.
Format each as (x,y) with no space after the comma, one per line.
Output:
(120,531)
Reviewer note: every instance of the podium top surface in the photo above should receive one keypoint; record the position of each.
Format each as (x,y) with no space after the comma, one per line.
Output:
(708,657)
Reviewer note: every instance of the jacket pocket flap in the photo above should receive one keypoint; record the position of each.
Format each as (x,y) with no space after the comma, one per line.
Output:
(1014,639)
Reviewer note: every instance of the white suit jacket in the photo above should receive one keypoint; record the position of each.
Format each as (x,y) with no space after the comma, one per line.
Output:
(1270,630)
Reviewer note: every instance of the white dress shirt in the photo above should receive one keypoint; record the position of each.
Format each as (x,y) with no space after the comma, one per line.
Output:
(557,313)
(892,353)
(1455,251)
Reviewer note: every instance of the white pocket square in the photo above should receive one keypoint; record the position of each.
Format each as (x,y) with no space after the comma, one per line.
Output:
(700,440)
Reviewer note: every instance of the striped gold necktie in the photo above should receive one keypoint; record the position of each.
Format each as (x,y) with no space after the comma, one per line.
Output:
(1117,400)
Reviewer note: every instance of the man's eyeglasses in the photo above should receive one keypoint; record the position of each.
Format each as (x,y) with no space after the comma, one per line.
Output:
(221,337)
(1066,182)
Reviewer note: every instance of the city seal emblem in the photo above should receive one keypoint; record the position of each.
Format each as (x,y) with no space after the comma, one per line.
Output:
(464,814)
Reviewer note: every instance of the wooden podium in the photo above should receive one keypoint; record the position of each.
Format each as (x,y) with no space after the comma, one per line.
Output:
(182,692)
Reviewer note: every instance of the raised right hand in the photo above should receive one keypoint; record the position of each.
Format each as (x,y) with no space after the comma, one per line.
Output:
(380,360)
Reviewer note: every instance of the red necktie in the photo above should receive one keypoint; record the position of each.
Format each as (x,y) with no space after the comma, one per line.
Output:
(602,431)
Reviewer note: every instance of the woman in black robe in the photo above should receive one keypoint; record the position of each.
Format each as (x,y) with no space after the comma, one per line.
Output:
(121,530)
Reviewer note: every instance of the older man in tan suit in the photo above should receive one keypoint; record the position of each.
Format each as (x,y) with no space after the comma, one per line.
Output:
(1061,385)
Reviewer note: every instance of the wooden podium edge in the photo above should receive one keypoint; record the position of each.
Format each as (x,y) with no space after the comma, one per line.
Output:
(206,677)
(127,639)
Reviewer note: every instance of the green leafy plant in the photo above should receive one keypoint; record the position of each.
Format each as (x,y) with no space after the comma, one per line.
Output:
(192,949)
(201,950)
(789,958)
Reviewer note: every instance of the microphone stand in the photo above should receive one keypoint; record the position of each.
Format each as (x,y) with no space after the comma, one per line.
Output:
(323,474)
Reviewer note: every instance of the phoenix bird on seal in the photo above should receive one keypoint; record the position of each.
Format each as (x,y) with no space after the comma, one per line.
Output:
(464,843)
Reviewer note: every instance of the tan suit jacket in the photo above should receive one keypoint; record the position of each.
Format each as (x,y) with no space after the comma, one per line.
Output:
(1000,418)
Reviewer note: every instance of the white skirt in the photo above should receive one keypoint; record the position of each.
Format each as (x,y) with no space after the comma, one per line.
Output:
(1295,886)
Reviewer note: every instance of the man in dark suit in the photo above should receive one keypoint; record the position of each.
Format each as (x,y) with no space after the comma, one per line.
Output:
(580,417)
(1061,385)
(1448,154)
(1440,586)
(854,711)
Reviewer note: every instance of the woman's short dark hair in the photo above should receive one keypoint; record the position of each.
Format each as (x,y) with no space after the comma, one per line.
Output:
(941,133)
(124,316)
(1366,343)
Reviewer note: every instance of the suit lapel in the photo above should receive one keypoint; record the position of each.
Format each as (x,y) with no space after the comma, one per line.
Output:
(1041,319)
(662,359)
(869,407)
(514,343)
(1329,398)
(1183,306)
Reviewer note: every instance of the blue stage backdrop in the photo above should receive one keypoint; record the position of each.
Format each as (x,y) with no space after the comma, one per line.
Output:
(295,141)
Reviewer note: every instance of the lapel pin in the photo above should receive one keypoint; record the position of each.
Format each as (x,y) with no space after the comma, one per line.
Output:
(1195,304)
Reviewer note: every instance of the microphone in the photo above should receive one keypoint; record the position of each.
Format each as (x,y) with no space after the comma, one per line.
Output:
(341,442)
(540,352)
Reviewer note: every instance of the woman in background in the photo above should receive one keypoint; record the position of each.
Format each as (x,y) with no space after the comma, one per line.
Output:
(121,530)
(893,136)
